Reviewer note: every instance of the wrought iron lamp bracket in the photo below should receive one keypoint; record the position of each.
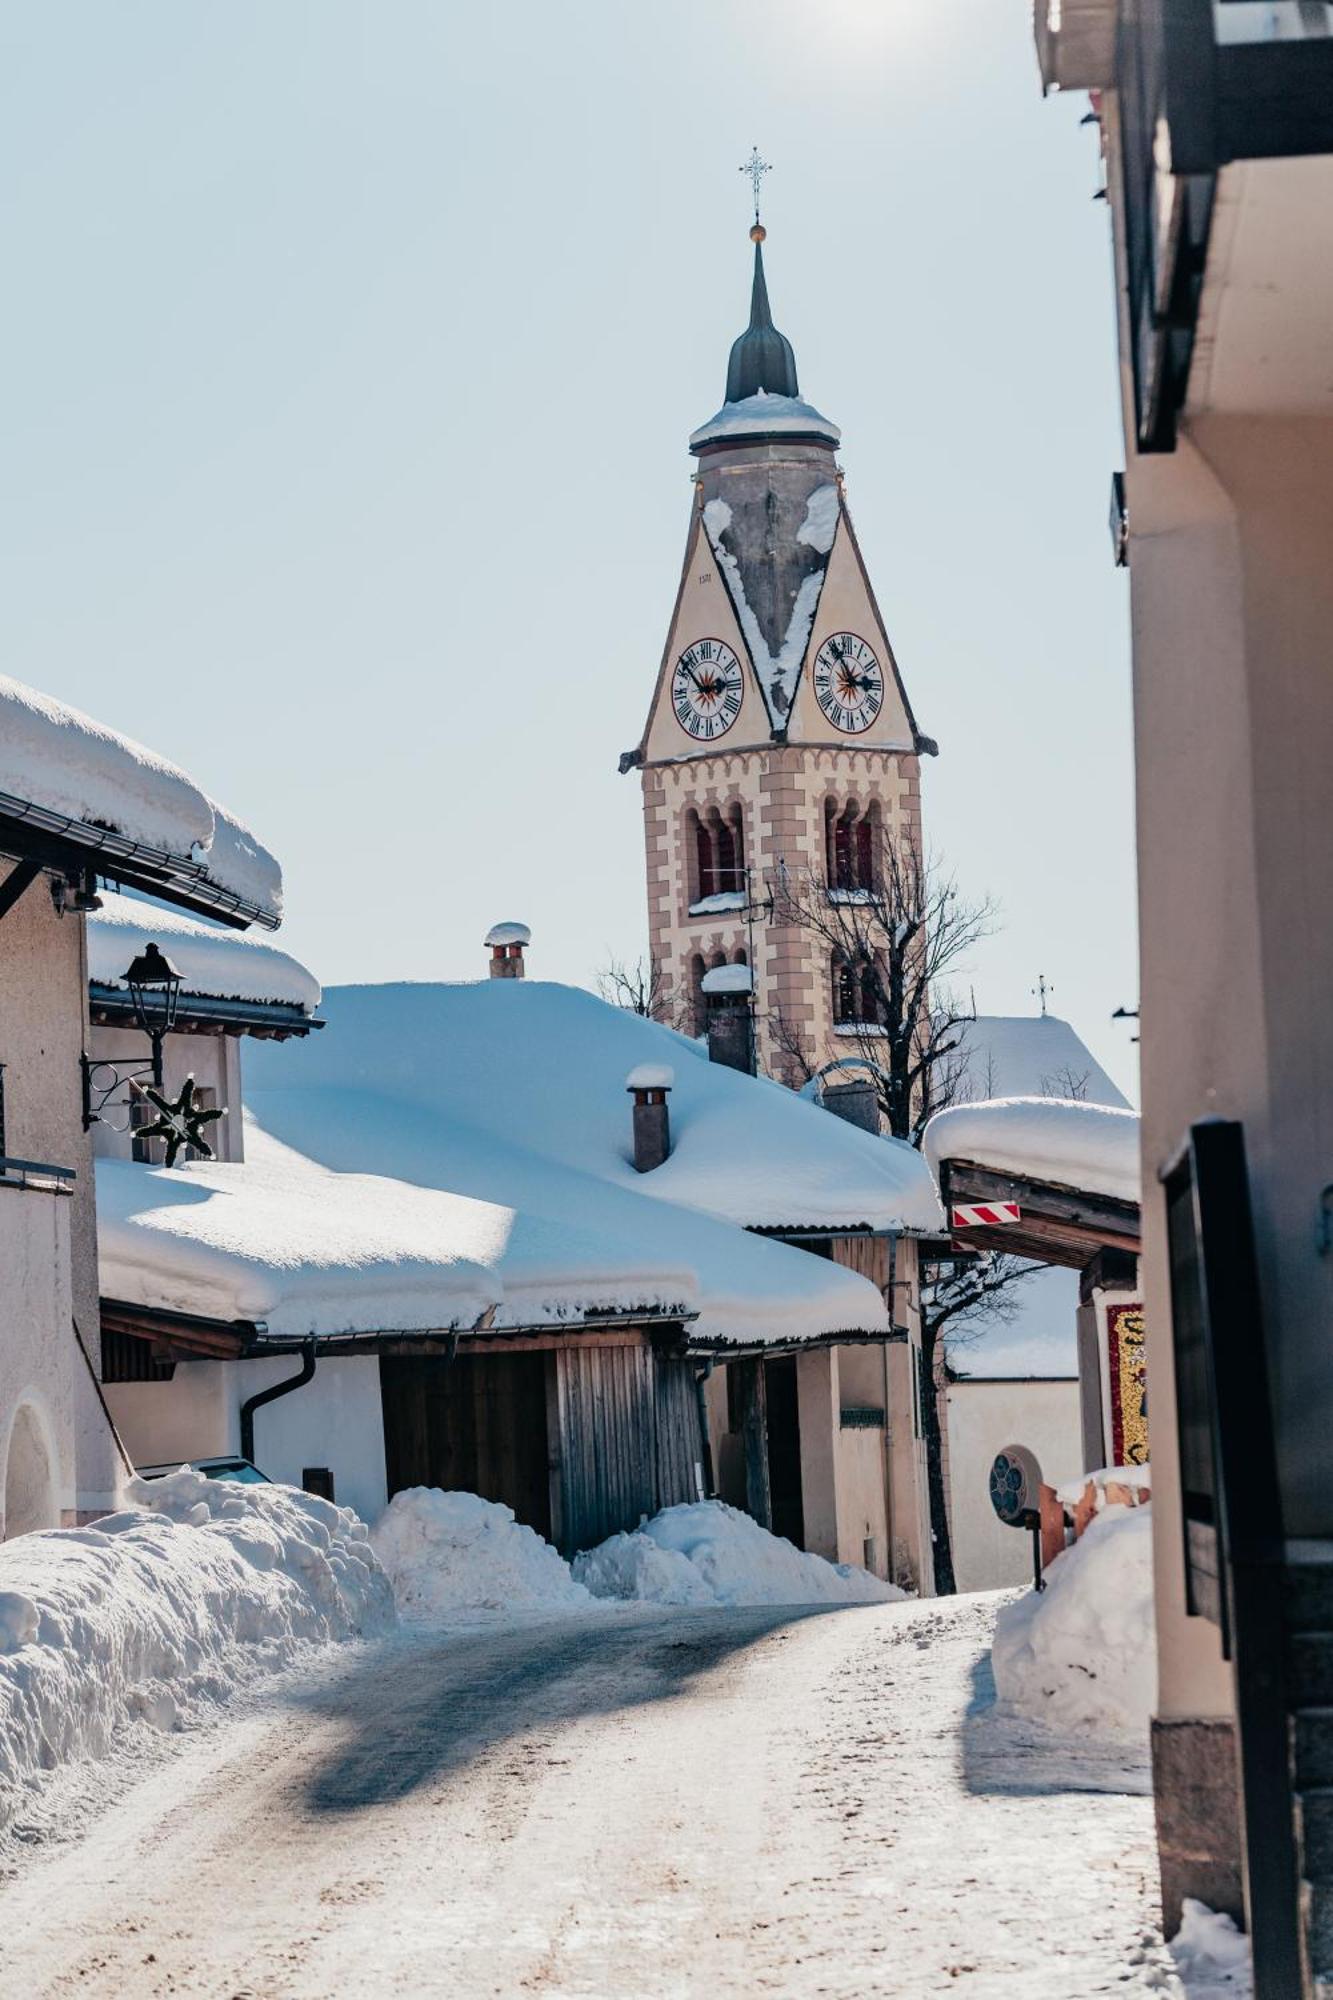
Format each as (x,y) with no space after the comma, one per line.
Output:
(102,1079)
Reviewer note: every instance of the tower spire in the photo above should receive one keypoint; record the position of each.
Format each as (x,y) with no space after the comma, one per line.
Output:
(762,358)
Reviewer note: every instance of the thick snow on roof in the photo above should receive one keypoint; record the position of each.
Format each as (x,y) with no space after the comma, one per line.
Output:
(763,415)
(58,758)
(1032,1055)
(542,1067)
(310,1251)
(218,964)
(508,933)
(728,979)
(1092,1147)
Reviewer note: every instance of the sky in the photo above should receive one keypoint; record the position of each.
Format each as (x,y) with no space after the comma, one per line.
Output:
(351,351)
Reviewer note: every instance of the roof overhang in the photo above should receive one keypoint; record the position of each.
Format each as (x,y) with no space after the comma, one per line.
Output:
(72,846)
(1057,1225)
(203,1014)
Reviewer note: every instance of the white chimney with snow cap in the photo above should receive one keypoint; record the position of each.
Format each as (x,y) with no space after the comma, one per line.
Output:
(507,944)
(727,991)
(649,1085)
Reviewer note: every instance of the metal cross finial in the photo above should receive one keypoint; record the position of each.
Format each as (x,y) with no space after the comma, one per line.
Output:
(756,168)
(1042,990)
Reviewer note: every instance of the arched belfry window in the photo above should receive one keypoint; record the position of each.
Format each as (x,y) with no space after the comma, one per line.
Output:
(856,994)
(715,851)
(852,835)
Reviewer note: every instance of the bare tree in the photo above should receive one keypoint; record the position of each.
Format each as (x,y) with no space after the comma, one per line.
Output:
(1067,1082)
(636,986)
(893,941)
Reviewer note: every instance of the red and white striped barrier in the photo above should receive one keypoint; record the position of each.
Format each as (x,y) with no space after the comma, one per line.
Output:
(984,1215)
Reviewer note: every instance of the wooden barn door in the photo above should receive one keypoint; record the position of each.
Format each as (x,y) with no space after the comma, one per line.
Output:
(476,1424)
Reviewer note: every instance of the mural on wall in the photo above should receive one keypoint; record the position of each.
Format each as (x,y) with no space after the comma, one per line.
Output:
(1129,1385)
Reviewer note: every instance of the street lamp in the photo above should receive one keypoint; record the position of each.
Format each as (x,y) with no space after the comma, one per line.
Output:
(155,989)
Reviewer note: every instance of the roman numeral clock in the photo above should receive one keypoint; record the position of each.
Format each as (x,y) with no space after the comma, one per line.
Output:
(707,689)
(849,682)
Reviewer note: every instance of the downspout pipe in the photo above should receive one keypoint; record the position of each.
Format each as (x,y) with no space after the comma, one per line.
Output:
(701,1376)
(271,1395)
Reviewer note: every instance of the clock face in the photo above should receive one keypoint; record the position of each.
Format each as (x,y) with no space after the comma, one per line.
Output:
(707,689)
(849,682)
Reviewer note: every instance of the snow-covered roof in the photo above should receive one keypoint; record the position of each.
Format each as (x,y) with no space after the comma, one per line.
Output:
(1091,1147)
(213,963)
(60,761)
(284,1240)
(762,415)
(1032,1055)
(430,1077)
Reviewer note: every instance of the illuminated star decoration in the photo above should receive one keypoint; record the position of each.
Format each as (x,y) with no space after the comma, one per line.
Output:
(756,168)
(180,1123)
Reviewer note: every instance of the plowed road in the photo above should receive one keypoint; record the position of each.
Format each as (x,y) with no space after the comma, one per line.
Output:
(635,1803)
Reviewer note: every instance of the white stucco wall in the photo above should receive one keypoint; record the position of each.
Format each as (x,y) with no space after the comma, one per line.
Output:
(335,1420)
(984,1416)
(38,1355)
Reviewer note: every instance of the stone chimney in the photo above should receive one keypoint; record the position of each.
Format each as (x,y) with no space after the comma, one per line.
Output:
(507,943)
(857,1102)
(649,1085)
(727,991)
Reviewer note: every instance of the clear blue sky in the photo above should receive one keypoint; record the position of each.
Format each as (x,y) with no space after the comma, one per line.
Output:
(350,357)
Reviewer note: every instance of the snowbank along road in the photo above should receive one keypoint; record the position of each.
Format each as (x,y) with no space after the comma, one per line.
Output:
(635,1803)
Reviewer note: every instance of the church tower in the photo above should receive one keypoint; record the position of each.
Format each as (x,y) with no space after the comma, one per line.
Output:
(780,746)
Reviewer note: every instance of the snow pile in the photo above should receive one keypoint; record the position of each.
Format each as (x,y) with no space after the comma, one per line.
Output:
(1091,1147)
(651,1076)
(218,964)
(1081,1655)
(728,979)
(454,1552)
(1207,1959)
(708,1553)
(762,415)
(1137,1477)
(155,1615)
(720,904)
(58,758)
(778,672)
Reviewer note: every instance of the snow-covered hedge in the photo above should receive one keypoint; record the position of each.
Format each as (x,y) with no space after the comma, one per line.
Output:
(155,1615)
(1081,1655)
(708,1553)
(448,1553)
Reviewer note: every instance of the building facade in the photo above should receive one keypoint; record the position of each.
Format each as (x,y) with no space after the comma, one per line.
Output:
(1217,136)
(780,749)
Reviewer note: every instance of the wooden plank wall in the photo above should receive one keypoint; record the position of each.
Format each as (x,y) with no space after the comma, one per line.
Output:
(628,1440)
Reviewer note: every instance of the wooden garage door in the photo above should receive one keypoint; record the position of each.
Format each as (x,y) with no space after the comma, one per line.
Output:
(476,1424)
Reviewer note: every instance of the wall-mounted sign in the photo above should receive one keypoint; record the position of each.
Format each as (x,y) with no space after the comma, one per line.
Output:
(1126,1357)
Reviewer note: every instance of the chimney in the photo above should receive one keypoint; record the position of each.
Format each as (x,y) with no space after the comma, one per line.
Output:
(857,1102)
(648,1084)
(727,991)
(507,944)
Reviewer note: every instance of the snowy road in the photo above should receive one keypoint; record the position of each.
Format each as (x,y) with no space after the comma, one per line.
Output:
(633,1803)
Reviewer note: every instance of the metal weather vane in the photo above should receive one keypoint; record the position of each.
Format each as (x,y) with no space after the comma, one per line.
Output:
(756,168)
(180,1121)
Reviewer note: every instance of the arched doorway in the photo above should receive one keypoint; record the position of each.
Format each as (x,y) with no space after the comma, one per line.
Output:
(30,1484)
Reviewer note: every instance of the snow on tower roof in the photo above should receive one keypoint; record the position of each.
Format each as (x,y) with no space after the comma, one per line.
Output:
(1091,1147)
(509,933)
(1032,1055)
(213,963)
(761,416)
(423,1073)
(56,762)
